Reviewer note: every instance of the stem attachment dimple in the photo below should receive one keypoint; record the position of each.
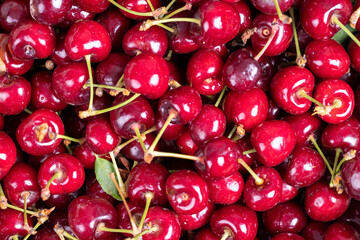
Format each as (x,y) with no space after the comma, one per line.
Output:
(274,30)
(258,181)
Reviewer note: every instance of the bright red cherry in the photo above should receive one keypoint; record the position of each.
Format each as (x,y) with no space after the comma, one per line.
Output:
(185,143)
(197,220)
(12,223)
(7,154)
(288,192)
(205,234)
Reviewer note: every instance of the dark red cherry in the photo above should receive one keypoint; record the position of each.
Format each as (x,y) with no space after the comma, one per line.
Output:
(74,126)
(282,38)
(46,233)
(210,123)
(351,177)
(123,216)
(99,103)
(288,217)
(61,202)
(43,94)
(185,143)
(36,161)
(147,74)
(287,236)
(7,154)
(2,122)
(341,231)
(187,192)
(305,167)
(226,190)
(240,221)
(134,149)
(86,213)
(274,110)
(75,14)
(244,144)
(316,17)
(268,6)
(323,203)
(266,195)
(59,55)
(12,223)
(32,40)
(94,189)
(138,6)
(87,37)
(197,220)
(209,33)
(244,13)
(203,72)
(171,132)
(13,11)
(314,230)
(220,158)
(15,94)
(352,214)
(94,6)
(36,134)
(273,141)
(148,178)
(286,86)
(288,192)
(353,51)
(71,175)
(20,180)
(85,155)
(49,12)
(205,234)
(327,58)
(68,83)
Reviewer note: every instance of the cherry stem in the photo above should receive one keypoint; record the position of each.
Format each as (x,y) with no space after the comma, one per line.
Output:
(69,236)
(85,114)
(136,128)
(150,5)
(153,229)
(32,213)
(56,175)
(146,14)
(184,8)
(249,151)
(274,30)
(102,228)
(121,183)
(337,103)
(300,60)
(227,233)
(149,196)
(258,181)
(354,18)
(285,19)
(170,5)
(3,199)
(27,111)
(149,23)
(37,225)
(88,63)
(25,196)
(335,20)
(347,156)
(67,138)
(312,139)
(14,237)
(337,154)
(45,192)
(232,131)
(104,86)
(177,155)
(302,93)
(218,101)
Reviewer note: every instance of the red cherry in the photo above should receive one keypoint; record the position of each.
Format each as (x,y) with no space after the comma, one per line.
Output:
(12,223)
(138,6)
(197,220)
(94,6)
(75,14)
(268,7)
(341,231)
(350,175)
(314,230)
(11,12)
(49,12)
(287,236)
(7,154)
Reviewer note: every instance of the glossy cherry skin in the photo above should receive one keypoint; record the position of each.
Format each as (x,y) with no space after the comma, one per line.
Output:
(171,132)
(123,216)
(85,213)
(61,201)
(146,178)
(240,220)
(26,132)
(210,34)
(138,112)
(332,205)
(288,217)
(72,173)
(304,125)
(265,196)
(226,190)
(21,178)
(100,136)
(166,221)
(36,161)
(247,109)
(85,155)
(285,87)
(205,234)
(245,15)
(197,220)
(273,141)
(12,223)
(87,37)
(288,192)
(287,236)
(7,154)
(138,6)
(94,6)
(68,83)
(75,13)
(314,230)
(353,51)
(244,144)
(134,149)
(341,231)
(15,94)
(282,38)
(203,72)
(268,6)
(305,167)
(59,55)
(334,89)
(351,175)
(49,12)
(32,40)
(315,17)
(147,74)
(185,101)
(327,58)
(185,143)
(352,215)
(220,158)
(210,123)
(11,11)
(43,94)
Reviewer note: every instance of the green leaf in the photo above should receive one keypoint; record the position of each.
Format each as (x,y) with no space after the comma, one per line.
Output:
(103,168)
(341,36)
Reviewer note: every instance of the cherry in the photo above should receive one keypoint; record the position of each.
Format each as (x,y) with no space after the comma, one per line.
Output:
(185,143)
(74,126)
(37,133)
(314,230)
(61,173)
(15,94)
(7,154)
(244,13)
(209,34)
(148,178)
(236,221)
(352,214)
(171,132)
(263,196)
(287,236)
(353,50)
(61,201)
(22,180)
(140,7)
(327,58)
(123,216)
(268,6)
(205,234)
(49,12)
(2,122)
(32,40)
(94,189)
(288,192)
(203,72)
(12,223)
(100,136)
(288,217)
(220,158)
(287,86)
(99,103)
(244,144)
(135,151)
(46,233)
(341,231)
(197,220)
(94,6)
(350,175)
(13,11)
(332,206)
(75,13)
(147,74)
(226,190)
(59,55)
(86,214)
(273,141)
(85,155)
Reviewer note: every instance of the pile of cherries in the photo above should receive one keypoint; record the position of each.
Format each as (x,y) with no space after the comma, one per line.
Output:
(181,119)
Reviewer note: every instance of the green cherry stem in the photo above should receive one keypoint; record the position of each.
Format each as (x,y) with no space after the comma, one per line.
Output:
(67,139)
(150,5)
(86,85)
(88,63)
(184,8)
(45,192)
(146,14)
(37,225)
(25,196)
(32,213)
(27,111)
(285,19)
(14,237)
(232,131)
(218,101)
(3,199)
(149,23)
(300,60)
(177,155)
(274,30)
(227,233)
(69,236)
(136,128)
(258,181)
(335,20)
(153,229)
(149,196)
(347,156)
(101,227)
(249,151)
(170,5)
(120,181)
(302,93)
(312,139)
(337,154)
